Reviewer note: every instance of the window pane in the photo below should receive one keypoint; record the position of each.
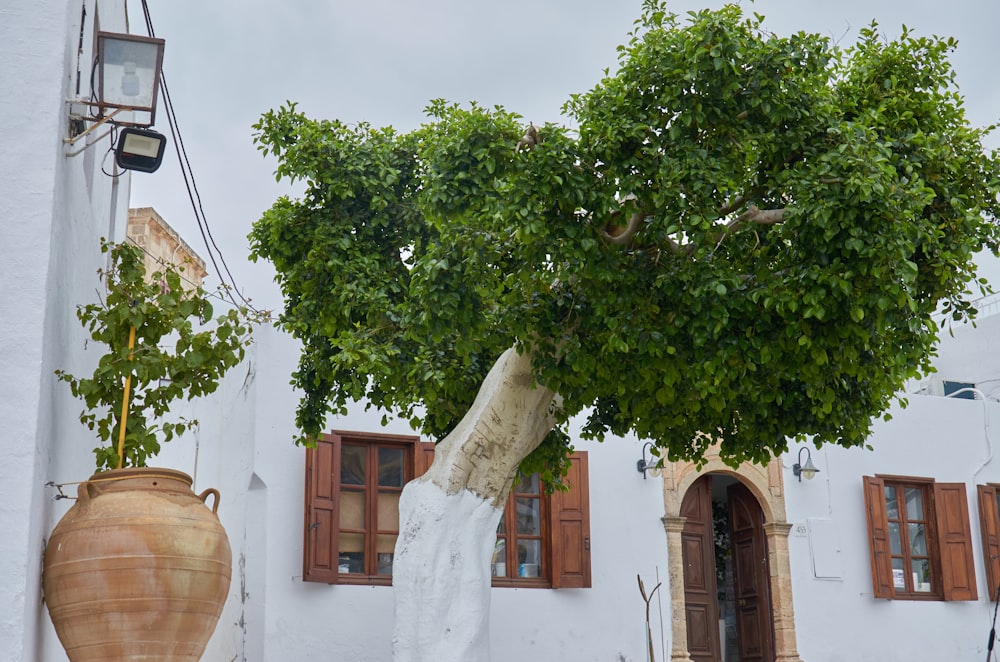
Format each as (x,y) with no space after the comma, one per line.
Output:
(351,553)
(527,485)
(914,503)
(895,540)
(388,511)
(891,507)
(390,467)
(502,526)
(918,540)
(352,465)
(352,510)
(922,575)
(386,549)
(499,563)
(529,558)
(898,575)
(529,521)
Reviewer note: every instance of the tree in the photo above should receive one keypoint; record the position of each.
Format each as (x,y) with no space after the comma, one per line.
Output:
(746,239)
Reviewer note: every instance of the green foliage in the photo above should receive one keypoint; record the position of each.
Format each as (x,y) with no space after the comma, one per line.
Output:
(174,356)
(800,212)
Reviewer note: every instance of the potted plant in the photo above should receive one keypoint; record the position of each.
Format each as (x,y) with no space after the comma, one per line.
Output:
(139,568)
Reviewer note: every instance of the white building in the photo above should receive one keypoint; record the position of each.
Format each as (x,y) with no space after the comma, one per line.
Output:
(795,581)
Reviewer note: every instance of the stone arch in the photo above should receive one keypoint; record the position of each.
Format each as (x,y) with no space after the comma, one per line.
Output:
(767,486)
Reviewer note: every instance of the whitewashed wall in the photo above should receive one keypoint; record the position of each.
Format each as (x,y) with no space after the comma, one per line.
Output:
(53,210)
(948,439)
(315,621)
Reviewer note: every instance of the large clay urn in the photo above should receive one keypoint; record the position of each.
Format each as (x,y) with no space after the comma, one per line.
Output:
(138,569)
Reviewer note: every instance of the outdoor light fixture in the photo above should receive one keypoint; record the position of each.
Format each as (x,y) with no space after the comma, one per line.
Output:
(808,469)
(650,466)
(140,149)
(128,73)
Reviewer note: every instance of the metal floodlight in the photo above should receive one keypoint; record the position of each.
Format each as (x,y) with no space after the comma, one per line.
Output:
(128,73)
(140,149)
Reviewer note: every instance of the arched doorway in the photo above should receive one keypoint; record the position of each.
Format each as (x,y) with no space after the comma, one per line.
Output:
(727,597)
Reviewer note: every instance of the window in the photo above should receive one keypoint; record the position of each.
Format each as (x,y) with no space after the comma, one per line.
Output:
(353,484)
(989,524)
(543,540)
(920,539)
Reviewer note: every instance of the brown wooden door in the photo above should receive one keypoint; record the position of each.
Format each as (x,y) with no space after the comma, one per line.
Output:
(698,555)
(751,584)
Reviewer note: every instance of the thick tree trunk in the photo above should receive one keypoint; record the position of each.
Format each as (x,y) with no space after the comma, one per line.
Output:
(448,518)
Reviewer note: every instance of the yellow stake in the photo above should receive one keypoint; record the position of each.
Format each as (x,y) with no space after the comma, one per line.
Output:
(128,387)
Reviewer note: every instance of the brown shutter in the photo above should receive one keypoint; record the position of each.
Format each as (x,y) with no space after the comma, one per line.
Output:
(423,456)
(878,537)
(989,524)
(958,570)
(320,558)
(570,530)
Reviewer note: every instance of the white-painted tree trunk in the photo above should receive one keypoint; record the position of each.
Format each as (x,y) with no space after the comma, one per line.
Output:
(449,516)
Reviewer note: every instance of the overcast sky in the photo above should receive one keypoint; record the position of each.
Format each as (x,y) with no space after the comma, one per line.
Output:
(381,61)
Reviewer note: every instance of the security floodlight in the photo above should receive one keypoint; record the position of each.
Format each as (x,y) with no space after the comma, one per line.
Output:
(140,149)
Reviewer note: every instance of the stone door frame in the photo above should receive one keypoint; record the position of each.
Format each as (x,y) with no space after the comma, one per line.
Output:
(766,484)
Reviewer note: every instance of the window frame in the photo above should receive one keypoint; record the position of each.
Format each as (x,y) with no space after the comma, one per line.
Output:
(322,527)
(948,538)
(565,534)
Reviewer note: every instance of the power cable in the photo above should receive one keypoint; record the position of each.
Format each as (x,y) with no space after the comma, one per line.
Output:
(194,195)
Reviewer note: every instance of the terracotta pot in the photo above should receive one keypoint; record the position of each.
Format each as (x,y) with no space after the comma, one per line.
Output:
(138,569)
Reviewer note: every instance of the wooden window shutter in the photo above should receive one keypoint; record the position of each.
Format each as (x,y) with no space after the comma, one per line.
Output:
(958,570)
(423,456)
(320,557)
(570,528)
(989,524)
(878,537)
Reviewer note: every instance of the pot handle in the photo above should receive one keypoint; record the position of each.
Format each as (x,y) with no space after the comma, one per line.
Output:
(204,497)
(83,492)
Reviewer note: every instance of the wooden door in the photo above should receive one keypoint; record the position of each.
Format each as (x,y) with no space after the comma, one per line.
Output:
(751,581)
(698,555)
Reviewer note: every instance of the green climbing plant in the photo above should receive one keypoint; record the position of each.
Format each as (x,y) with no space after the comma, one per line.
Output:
(179,351)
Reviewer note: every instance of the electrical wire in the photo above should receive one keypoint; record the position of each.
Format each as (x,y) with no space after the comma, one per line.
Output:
(993,630)
(214,253)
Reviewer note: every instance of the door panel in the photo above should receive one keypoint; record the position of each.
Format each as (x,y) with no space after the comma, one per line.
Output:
(751,578)
(698,556)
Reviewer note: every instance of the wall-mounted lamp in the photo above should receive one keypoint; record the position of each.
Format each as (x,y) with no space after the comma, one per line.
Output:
(649,467)
(808,469)
(128,70)
(140,149)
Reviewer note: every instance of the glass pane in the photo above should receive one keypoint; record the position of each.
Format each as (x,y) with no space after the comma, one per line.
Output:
(914,503)
(895,540)
(918,541)
(898,575)
(390,467)
(922,575)
(529,520)
(502,526)
(527,485)
(386,548)
(352,510)
(891,507)
(352,465)
(351,553)
(388,512)
(499,562)
(529,558)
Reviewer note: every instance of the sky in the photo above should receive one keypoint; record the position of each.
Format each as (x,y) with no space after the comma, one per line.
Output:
(227,62)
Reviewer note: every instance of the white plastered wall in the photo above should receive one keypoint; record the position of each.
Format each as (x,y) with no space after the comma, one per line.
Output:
(53,208)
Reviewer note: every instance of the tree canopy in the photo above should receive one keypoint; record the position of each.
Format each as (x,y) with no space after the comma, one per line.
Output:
(746,237)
